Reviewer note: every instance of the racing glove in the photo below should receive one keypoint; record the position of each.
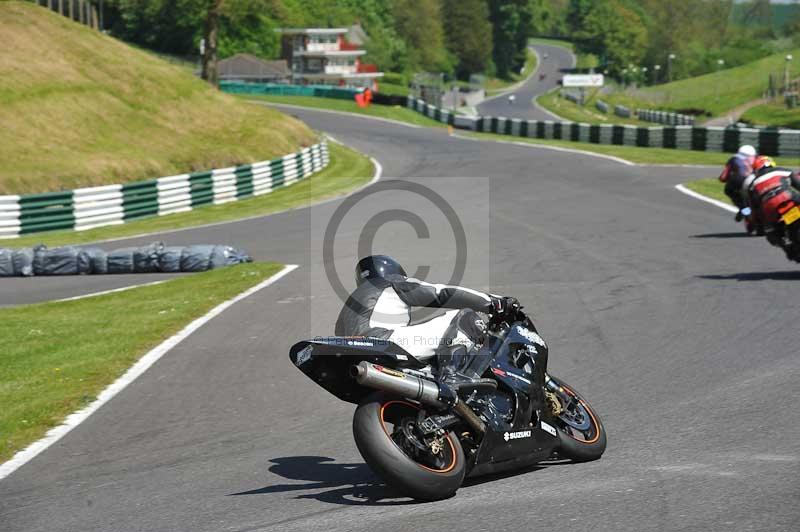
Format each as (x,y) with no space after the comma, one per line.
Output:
(503,306)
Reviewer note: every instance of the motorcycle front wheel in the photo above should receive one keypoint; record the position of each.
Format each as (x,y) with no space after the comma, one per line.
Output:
(581,435)
(384,428)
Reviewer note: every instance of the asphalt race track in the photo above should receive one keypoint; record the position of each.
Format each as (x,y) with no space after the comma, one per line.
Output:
(681,332)
(558,59)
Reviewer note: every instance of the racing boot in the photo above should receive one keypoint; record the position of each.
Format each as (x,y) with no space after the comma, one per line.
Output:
(454,377)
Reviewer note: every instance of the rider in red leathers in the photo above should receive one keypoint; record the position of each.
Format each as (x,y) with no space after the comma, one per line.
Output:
(773,193)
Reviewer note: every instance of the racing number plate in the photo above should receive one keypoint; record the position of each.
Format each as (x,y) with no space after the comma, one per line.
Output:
(791,216)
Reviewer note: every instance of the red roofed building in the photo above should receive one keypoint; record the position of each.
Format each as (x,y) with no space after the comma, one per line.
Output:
(323,56)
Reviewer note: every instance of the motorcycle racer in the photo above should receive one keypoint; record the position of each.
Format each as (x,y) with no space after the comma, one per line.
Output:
(772,189)
(736,170)
(382,306)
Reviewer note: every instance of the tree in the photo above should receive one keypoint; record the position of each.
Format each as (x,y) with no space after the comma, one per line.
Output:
(547,17)
(469,34)
(577,13)
(419,23)
(511,24)
(210,74)
(167,26)
(247,27)
(616,34)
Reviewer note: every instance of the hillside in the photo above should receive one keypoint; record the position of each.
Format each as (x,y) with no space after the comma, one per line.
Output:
(714,93)
(78,108)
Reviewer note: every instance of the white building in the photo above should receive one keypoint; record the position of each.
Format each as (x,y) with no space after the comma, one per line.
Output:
(323,56)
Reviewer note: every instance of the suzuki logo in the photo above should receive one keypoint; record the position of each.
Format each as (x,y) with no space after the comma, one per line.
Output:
(517,435)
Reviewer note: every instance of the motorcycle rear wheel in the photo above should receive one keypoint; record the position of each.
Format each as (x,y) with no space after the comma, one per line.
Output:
(377,429)
(581,435)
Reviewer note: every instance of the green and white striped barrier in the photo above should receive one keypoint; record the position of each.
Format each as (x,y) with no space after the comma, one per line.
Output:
(778,142)
(440,115)
(87,208)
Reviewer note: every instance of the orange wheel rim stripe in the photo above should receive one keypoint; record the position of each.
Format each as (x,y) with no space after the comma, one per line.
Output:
(591,415)
(449,442)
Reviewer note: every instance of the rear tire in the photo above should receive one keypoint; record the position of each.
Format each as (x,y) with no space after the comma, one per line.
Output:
(392,463)
(579,446)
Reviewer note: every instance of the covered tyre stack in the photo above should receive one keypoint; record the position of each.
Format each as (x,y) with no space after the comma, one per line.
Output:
(202,258)
(67,260)
(154,258)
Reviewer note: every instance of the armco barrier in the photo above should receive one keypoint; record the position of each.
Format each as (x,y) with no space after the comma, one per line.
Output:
(86,208)
(780,142)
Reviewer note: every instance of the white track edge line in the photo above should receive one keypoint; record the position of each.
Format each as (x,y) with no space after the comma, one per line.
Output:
(331,111)
(378,167)
(76,418)
(548,147)
(104,292)
(712,201)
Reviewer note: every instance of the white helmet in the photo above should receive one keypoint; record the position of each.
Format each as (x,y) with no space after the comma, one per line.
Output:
(747,151)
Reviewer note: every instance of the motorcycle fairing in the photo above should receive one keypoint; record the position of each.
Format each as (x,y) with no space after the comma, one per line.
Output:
(519,366)
(327,361)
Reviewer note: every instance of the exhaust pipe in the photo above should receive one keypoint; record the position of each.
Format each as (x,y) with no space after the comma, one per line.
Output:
(405,385)
(397,382)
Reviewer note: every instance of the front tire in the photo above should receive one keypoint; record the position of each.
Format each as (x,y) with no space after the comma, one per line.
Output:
(581,435)
(424,477)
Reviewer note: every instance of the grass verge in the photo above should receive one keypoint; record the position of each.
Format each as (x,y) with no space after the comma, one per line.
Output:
(79,108)
(57,357)
(587,114)
(773,114)
(391,112)
(710,187)
(632,153)
(346,171)
(715,93)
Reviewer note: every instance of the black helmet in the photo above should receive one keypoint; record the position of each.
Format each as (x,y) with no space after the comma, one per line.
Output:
(377,266)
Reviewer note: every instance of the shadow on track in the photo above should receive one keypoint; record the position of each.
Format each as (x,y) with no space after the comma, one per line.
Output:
(790,275)
(352,484)
(483,479)
(739,234)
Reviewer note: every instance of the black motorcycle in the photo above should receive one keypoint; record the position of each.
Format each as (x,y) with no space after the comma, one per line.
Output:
(423,444)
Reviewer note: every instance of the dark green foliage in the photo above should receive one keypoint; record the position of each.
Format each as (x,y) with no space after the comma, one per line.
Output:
(511,24)
(405,36)
(419,23)
(698,32)
(614,32)
(547,17)
(168,26)
(468,34)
